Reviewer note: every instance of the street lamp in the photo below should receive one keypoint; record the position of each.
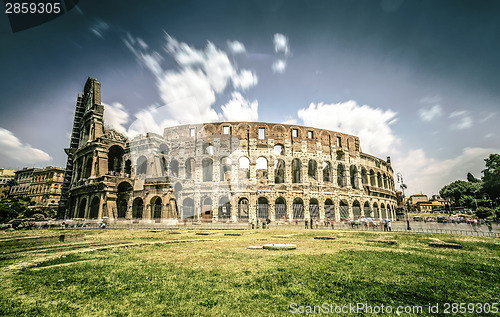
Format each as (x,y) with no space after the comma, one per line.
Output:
(403,187)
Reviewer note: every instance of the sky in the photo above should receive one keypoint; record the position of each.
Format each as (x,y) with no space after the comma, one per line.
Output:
(416,80)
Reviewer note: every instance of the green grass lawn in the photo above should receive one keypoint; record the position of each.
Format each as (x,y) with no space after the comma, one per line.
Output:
(221,277)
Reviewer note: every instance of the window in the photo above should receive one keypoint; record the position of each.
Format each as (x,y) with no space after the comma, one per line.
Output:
(309,134)
(262,133)
(295,133)
(191,132)
(339,141)
(225,130)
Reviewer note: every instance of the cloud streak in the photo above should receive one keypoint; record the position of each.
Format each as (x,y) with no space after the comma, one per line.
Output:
(12,147)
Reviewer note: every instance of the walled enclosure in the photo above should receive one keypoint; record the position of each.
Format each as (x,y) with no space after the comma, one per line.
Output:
(224,171)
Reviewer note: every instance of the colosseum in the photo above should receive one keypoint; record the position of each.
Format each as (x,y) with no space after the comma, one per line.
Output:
(219,172)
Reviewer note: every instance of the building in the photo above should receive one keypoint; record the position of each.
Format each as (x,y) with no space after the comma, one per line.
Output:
(224,171)
(23,181)
(45,187)
(415,199)
(5,177)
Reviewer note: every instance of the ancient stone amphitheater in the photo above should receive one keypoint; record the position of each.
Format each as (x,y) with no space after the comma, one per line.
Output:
(220,172)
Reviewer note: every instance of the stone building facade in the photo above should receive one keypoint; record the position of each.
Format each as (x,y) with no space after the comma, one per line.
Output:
(45,187)
(224,171)
(23,182)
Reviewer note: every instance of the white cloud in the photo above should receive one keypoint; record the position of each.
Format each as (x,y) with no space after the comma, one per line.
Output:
(99,27)
(189,93)
(239,109)
(279,66)
(115,117)
(153,119)
(236,47)
(371,125)
(428,175)
(245,79)
(464,120)
(487,117)
(290,120)
(431,99)
(428,114)
(11,146)
(281,43)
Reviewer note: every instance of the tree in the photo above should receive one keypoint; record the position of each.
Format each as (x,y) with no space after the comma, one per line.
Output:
(459,189)
(484,212)
(12,208)
(472,179)
(491,176)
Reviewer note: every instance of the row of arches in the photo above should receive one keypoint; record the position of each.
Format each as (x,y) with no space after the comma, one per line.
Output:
(345,176)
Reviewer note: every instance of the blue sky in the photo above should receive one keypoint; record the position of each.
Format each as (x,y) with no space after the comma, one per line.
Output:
(415,80)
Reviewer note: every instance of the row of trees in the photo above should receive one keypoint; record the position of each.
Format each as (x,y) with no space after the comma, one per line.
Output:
(482,194)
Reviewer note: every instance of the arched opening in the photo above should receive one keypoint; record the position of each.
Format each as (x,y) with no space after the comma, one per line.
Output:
(364,176)
(385,181)
(261,167)
(124,190)
(224,208)
(343,209)
(225,169)
(94,208)
(177,189)
(262,208)
(128,168)
(298,209)
(375,211)
(137,208)
(296,171)
(356,209)
(206,209)
(279,149)
(312,166)
(208,149)
(115,158)
(383,213)
(313,208)
(82,207)
(354,176)
(174,168)
(88,168)
(279,171)
(340,175)
(327,168)
(121,205)
(280,209)
(372,178)
(156,208)
(189,168)
(188,209)
(329,210)
(207,165)
(379,180)
(366,210)
(243,209)
(163,149)
(244,168)
(142,165)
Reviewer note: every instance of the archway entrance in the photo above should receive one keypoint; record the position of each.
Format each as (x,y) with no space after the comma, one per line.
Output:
(206,210)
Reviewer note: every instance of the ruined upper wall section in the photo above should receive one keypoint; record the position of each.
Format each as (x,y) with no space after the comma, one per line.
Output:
(280,133)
